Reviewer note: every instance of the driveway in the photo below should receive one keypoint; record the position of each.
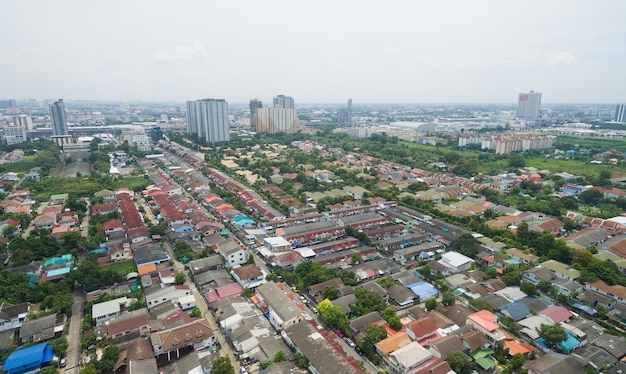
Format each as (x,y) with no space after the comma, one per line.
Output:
(73,336)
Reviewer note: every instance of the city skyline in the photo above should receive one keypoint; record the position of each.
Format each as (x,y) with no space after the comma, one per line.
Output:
(412,52)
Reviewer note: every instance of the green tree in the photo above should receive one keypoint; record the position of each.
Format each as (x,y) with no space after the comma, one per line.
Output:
(517,361)
(388,313)
(528,288)
(545,287)
(196,312)
(480,305)
(553,334)
(395,323)
(222,365)
(330,293)
(180,279)
(460,363)
(465,245)
(431,304)
(280,356)
(374,334)
(512,278)
(49,370)
(59,346)
(301,361)
(448,298)
(591,197)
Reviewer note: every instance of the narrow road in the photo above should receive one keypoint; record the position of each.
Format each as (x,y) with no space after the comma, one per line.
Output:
(73,337)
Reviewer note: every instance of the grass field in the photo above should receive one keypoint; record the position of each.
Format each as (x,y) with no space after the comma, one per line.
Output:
(123,267)
(25,164)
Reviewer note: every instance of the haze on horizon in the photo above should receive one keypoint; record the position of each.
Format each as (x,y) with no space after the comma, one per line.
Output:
(318,51)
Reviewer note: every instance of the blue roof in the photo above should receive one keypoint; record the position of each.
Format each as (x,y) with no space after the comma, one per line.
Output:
(59,271)
(566,345)
(27,359)
(242,220)
(517,310)
(424,290)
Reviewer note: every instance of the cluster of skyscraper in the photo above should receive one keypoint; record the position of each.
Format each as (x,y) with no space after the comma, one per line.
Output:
(281,117)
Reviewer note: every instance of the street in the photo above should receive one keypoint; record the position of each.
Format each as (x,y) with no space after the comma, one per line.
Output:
(73,337)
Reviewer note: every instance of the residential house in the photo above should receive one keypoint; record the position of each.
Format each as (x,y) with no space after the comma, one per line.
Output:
(423,329)
(232,253)
(43,328)
(283,311)
(487,323)
(408,358)
(455,262)
(402,296)
(521,256)
(197,334)
(127,326)
(554,363)
(165,294)
(561,270)
(12,316)
(249,276)
(103,312)
(45,221)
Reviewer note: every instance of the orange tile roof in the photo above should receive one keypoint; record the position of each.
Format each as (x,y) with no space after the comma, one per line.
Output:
(393,343)
(516,347)
(146,268)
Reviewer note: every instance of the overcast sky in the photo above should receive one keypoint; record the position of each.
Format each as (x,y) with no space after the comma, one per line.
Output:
(315,51)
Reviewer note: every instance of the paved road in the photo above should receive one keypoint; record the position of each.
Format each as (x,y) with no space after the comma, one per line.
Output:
(73,337)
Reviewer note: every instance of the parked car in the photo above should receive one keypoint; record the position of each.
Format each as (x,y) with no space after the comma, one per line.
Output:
(350,342)
(339,333)
(62,363)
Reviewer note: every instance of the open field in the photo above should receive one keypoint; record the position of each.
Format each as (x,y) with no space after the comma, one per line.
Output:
(25,164)
(123,267)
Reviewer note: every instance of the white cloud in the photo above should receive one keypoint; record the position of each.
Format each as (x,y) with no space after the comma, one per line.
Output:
(196,52)
(562,59)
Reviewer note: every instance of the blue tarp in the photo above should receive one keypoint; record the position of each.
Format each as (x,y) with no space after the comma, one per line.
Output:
(28,359)
(424,290)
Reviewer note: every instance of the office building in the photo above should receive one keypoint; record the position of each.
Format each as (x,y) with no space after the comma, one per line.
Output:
(282,101)
(254,105)
(345,115)
(59,119)
(156,134)
(14,134)
(208,120)
(275,120)
(620,113)
(23,121)
(528,105)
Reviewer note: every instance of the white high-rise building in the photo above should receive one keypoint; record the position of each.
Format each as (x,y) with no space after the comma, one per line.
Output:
(620,113)
(528,105)
(275,120)
(208,119)
(23,121)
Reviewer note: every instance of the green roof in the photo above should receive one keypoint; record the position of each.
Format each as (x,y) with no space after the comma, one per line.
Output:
(561,268)
(59,196)
(486,363)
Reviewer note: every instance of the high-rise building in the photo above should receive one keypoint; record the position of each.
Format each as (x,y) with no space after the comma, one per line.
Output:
(59,119)
(23,121)
(620,113)
(345,115)
(208,120)
(275,120)
(156,134)
(528,105)
(282,101)
(254,105)
(14,134)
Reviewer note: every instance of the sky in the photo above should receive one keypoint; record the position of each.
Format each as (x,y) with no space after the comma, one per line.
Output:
(413,51)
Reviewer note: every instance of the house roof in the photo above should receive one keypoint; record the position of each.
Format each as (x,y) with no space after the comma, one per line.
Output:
(411,354)
(485,319)
(557,313)
(447,345)
(393,343)
(30,357)
(616,289)
(554,364)
(248,272)
(422,327)
(517,346)
(517,310)
(184,335)
(561,268)
(127,322)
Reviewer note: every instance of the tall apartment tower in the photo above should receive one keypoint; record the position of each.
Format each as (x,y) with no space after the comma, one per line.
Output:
(254,105)
(620,113)
(208,119)
(282,101)
(23,121)
(59,119)
(275,120)
(528,105)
